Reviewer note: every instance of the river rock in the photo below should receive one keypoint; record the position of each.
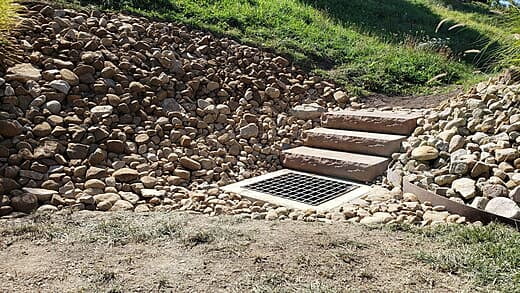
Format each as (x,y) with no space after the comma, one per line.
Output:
(425,153)
(504,207)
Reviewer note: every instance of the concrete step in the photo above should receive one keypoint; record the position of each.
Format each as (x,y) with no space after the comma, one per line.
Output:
(377,121)
(354,141)
(334,163)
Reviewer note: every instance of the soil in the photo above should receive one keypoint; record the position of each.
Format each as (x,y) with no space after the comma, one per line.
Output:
(182,252)
(408,102)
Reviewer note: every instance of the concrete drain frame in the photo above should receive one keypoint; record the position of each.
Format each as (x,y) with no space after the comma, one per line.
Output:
(252,188)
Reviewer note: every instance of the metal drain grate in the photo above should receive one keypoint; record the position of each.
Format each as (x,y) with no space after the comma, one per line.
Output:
(302,188)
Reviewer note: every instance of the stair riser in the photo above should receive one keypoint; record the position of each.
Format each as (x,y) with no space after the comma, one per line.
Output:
(393,125)
(357,171)
(362,145)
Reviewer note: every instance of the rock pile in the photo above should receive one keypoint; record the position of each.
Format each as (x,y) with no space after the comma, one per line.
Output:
(469,149)
(117,113)
(112,112)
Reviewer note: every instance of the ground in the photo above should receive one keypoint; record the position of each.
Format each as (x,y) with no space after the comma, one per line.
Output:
(185,252)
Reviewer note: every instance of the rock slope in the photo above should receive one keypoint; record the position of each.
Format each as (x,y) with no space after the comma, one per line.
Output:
(469,149)
(114,113)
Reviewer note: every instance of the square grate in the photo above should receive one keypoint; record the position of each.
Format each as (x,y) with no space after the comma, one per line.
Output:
(302,188)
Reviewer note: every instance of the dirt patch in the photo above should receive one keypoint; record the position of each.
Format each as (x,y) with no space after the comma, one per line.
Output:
(409,102)
(183,252)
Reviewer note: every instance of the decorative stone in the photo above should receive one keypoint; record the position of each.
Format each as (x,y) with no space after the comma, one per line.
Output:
(308,111)
(23,72)
(504,207)
(10,128)
(248,131)
(126,175)
(425,153)
(25,203)
(465,187)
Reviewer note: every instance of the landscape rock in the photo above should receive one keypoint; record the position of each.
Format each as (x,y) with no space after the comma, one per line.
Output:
(10,128)
(126,175)
(23,72)
(425,153)
(25,203)
(465,187)
(504,207)
(308,111)
(41,194)
(377,218)
(248,131)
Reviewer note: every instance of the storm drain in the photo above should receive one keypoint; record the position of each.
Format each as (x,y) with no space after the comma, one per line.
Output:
(302,188)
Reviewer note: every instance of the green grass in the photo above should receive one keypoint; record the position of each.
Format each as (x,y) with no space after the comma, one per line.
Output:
(388,47)
(490,255)
(8,13)
(512,54)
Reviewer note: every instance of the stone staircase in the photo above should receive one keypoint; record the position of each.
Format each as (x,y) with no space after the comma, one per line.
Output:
(353,145)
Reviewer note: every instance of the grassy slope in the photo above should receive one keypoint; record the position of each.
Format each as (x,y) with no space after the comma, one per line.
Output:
(366,44)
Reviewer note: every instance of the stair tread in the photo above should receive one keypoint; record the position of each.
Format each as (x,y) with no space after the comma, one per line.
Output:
(377,121)
(378,114)
(354,133)
(370,143)
(337,155)
(335,163)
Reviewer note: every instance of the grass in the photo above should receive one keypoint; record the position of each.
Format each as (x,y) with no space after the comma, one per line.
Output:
(389,47)
(118,230)
(8,10)
(512,54)
(490,255)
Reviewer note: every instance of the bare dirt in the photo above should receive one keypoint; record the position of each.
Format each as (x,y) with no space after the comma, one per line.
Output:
(180,252)
(409,102)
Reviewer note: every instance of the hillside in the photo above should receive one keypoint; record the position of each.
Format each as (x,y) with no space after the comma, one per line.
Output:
(391,47)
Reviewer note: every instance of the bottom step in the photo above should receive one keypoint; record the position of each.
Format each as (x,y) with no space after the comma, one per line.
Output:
(333,163)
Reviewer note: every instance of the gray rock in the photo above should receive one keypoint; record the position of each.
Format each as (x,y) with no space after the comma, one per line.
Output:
(102,110)
(77,150)
(60,85)
(126,175)
(308,111)
(248,131)
(149,193)
(494,190)
(42,194)
(465,187)
(457,142)
(23,72)
(53,106)
(504,207)
(479,202)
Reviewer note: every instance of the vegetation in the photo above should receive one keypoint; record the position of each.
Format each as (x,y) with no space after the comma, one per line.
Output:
(512,54)
(8,9)
(389,47)
(490,255)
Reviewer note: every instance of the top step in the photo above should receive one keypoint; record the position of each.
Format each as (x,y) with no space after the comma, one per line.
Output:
(381,122)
